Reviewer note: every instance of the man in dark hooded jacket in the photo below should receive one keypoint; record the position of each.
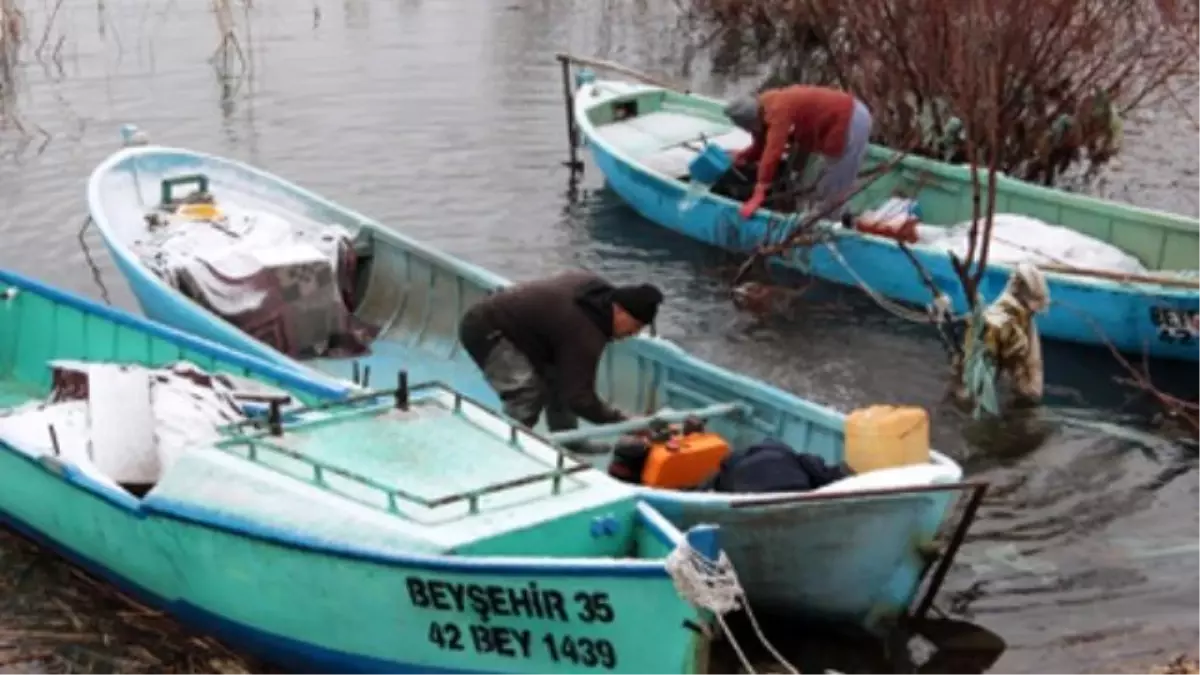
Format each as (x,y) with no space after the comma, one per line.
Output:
(538,343)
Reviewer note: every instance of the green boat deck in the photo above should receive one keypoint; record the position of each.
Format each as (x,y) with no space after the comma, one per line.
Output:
(442,475)
(414,455)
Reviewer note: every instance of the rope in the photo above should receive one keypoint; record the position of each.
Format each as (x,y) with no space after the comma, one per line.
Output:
(714,586)
(979,369)
(87,255)
(938,311)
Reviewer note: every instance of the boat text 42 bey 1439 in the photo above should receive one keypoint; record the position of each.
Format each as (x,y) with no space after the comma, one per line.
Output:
(529,601)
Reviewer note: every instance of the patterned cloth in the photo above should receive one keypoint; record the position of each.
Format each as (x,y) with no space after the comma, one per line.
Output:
(289,285)
(1005,336)
(294,298)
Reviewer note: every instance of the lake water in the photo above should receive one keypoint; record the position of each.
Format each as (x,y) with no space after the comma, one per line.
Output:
(445,119)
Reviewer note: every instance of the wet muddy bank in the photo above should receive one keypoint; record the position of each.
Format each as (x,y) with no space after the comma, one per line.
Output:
(55,618)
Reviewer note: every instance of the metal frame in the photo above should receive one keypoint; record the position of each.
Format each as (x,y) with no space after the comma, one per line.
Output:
(402,394)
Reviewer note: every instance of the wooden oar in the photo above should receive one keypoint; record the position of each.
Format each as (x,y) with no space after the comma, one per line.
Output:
(1063,267)
(618,68)
(1173,282)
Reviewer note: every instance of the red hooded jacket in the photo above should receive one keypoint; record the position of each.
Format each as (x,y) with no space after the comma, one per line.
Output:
(815,117)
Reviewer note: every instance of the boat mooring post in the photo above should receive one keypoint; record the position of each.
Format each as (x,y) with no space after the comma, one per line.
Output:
(573,163)
(275,419)
(402,390)
(54,441)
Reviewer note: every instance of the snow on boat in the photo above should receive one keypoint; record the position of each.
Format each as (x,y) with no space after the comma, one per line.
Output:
(1145,299)
(855,552)
(401,531)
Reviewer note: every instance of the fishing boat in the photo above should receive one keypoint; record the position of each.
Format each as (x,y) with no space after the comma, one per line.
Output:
(855,552)
(321,527)
(645,139)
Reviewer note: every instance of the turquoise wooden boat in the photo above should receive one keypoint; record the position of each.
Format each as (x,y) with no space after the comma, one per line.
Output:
(472,547)
(643,138)
(853,552)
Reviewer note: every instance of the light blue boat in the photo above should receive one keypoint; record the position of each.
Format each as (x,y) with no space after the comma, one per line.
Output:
(277,540)
(643,139)
(857,551)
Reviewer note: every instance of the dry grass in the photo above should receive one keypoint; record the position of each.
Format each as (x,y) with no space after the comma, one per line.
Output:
(56,619)
(1180,664)
(11,29)
(29,37)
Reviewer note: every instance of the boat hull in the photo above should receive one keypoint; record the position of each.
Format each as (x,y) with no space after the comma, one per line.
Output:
(305,603)
(855,561)
(635,374)
(1083,312)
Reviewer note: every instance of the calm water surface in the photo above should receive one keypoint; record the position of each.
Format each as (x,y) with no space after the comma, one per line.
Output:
(445,120)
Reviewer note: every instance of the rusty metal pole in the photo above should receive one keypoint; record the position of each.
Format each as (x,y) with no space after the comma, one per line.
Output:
(951,551)
(573,163)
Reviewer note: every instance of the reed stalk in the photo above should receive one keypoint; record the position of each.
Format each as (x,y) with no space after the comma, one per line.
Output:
(229,50)
(12,22)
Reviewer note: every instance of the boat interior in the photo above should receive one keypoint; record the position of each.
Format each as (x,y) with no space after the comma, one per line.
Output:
(664,131)
(411,299)
(407,469)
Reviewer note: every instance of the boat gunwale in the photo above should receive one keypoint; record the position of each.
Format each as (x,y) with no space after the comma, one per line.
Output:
(298,540)
(1170,221)
(775,500)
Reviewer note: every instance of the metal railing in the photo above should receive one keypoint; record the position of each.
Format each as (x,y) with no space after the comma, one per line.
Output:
(259,444)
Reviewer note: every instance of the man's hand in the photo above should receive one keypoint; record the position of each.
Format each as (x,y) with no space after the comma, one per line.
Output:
(755,201)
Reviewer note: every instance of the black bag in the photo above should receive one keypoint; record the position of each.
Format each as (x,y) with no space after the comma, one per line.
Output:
(771,466)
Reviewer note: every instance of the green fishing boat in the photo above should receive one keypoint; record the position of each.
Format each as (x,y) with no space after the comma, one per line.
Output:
(1118,275)
(322,527)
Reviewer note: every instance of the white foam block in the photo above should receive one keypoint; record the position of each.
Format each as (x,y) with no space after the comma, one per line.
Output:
(121,418)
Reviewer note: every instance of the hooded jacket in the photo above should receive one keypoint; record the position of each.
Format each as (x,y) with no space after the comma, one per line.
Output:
(815,118)
(561,324)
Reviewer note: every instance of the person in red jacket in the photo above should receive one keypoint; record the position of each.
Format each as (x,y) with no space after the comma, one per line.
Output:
(820,120)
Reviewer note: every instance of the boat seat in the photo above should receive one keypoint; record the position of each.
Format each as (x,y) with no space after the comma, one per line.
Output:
(382,298)
(659,140)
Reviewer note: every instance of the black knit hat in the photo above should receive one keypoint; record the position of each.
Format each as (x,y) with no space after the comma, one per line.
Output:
(641,301)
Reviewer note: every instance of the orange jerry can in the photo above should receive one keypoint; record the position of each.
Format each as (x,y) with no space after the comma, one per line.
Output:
(684,460)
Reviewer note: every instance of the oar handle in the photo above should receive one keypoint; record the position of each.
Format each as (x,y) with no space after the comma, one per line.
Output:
(617,68)
(671,417)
